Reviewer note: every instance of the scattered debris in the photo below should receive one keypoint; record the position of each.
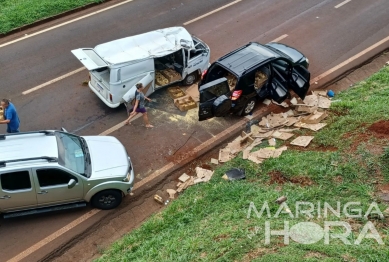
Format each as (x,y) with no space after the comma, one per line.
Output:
(214,161)
(235,174)
(272,141)
(302,141)
(293,101)
(314,127)
(172,193)
(330,93)
(282,199)
(225,177)
(314,118)
(283,104)
(267,102)
(204,174)
(225,155)
(183,178)
(158,199)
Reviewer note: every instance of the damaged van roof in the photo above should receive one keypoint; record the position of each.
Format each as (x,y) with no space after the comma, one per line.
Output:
(245,58)
(148,45)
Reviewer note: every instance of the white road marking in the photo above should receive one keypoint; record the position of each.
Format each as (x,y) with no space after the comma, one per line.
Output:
(52,81)
(53,236)
(212,12)
(118,126)
(65,23)
(280,38)
(349,60)
(343,3)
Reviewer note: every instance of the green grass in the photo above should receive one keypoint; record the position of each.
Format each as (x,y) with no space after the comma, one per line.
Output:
(16,13)
(209,222)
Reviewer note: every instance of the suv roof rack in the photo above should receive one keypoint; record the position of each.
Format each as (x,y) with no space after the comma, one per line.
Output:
(48,158)
(46,132)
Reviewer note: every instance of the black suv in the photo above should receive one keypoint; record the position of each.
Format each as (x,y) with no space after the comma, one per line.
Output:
(236,81)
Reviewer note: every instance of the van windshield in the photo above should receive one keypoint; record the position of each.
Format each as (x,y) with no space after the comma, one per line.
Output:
(73,153)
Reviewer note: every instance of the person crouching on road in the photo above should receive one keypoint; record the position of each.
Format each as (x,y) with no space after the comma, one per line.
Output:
(139,106)
(11,117)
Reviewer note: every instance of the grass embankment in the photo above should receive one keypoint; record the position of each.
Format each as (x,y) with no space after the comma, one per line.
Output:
(17,13)
(345,162)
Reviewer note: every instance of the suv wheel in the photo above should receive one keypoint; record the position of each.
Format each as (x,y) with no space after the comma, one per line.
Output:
(249,106)
(191,79)
(107,199)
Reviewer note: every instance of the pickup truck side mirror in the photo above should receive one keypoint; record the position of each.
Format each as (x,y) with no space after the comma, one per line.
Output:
(72,183)
(64,130)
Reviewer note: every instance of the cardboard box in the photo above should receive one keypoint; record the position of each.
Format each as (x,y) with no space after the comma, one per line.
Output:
(1,114)
(171,75)
(160,79)
(175,92)
(185,103)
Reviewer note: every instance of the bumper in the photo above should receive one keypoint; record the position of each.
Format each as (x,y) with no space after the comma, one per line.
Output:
(102,98)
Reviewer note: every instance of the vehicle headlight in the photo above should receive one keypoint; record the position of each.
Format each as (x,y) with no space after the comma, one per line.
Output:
(306,59)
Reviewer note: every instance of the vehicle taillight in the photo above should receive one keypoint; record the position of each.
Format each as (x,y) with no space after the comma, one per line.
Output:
(236,94)
(110,97)
(203,74)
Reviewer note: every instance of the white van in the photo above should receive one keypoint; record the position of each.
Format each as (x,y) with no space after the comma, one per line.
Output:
(155,59)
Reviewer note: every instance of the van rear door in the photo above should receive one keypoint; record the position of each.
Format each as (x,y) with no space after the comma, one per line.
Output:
(89,58)
(214,99)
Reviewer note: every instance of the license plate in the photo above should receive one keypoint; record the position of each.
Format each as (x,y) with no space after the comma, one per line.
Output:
(99,88)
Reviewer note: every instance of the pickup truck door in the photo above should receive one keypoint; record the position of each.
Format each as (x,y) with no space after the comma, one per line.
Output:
(52,186)
(17,190)
(215,99)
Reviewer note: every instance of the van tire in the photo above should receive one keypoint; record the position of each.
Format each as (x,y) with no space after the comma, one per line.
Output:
(249,106)
(107,199)
(191,79)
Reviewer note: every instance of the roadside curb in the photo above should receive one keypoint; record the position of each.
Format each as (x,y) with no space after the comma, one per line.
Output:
(198,151)
(52,18)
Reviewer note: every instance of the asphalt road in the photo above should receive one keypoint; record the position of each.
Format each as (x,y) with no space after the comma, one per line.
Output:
(326,35)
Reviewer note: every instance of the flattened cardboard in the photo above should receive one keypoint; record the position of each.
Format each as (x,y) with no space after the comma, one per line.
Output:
(272,142)
(314,127)
(224,155)
(314,118)
(324,102)
(193,91)
(267,102)
(183,178)
(302,141)
(255,159)
(293,101)
(284,136)
(311,100)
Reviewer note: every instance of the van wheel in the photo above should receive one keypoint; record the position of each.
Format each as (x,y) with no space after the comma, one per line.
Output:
(107,199)
(249,106)
(191,79)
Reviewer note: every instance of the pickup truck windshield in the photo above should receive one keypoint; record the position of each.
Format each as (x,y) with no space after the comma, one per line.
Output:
(73,153)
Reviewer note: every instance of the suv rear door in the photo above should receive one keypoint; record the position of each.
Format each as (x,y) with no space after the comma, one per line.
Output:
(300,80)
(214,99)
(17,190)
(52,186)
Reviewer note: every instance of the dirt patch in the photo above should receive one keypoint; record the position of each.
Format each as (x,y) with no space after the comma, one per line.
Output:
(221,237)
(313,148)
(357,139)
(380,129)
(338,179)
(315,255)
(276,177)
(257,253)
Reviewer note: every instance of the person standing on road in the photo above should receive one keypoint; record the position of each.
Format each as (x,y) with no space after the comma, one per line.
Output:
(11,117)
(139,106)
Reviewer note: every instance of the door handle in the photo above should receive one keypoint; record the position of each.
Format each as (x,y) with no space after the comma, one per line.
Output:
(43,192)
(5,197)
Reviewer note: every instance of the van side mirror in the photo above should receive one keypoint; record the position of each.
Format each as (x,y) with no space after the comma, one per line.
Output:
(72,183)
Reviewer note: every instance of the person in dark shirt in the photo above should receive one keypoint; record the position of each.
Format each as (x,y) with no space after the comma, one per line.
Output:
(139,106)
(11,117)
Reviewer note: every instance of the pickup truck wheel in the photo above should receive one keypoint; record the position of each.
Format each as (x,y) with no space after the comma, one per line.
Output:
(191,79)
(107,199)
(249,106)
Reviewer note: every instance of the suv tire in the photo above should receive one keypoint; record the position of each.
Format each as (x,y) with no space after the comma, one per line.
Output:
(249,106)
(107,199)
(191,79)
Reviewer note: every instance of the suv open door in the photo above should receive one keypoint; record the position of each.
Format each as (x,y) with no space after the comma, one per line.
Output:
(299,81)
(214,99)
(89,58)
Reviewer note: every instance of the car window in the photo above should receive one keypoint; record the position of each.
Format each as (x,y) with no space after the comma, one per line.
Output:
(15,180)
(53,177)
